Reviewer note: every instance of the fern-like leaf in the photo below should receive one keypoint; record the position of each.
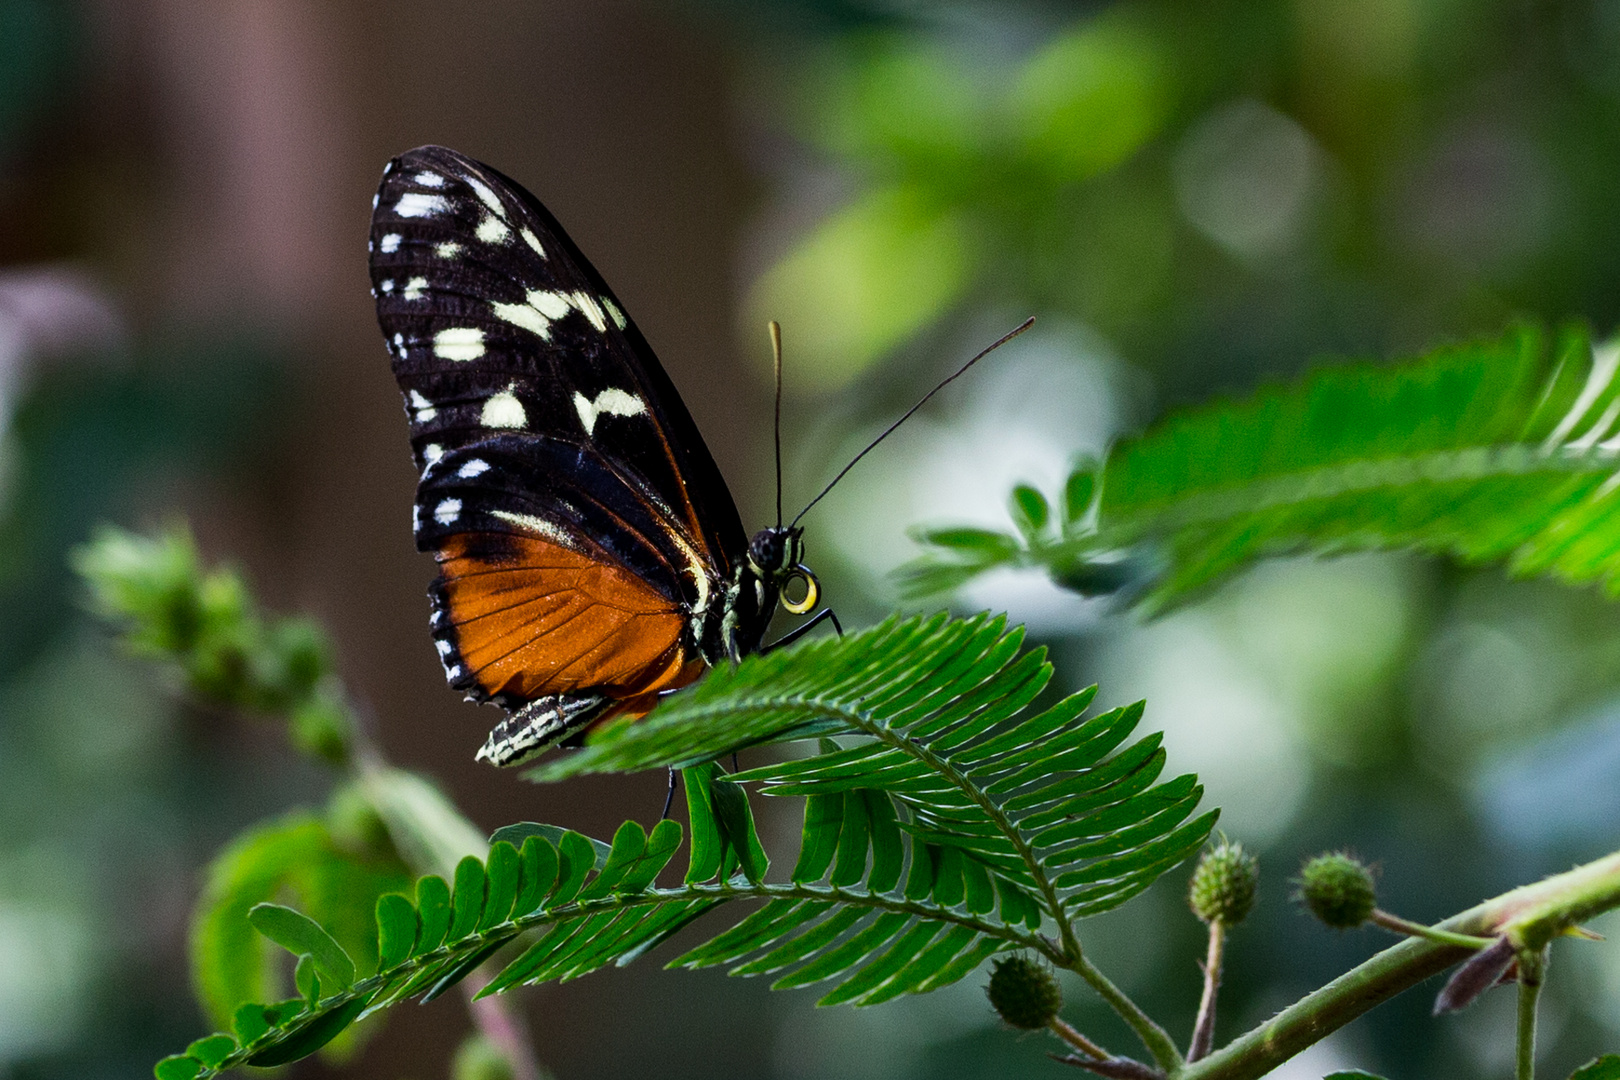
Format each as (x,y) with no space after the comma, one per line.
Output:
(954,825)
(1494,452)
(993,809)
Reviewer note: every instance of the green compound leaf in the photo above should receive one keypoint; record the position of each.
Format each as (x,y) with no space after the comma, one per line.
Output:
(1077,494)
(212,1049)
(951,823)
(538,870)
(433,904)
(396,930)
(552,834)
(1491,453)
(1030,511)
(299,935)
(178,1067)
(467,898)
(708,842)
(294,856)
(504,872)
(304,1040)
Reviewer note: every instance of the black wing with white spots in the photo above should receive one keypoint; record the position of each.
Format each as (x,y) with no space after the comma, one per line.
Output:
(504,336)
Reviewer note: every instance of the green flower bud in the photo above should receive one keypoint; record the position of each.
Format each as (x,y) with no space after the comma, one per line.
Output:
(1024,992)
(1223,886)
(1338,889)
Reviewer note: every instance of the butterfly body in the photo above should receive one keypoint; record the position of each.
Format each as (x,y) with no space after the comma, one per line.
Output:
(590,554)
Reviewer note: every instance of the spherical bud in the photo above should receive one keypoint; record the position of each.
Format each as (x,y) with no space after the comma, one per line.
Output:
(1223,886)
(1338,889)
(1024,992)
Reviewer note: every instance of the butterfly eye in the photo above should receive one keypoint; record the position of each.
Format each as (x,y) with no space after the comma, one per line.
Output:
(812,592)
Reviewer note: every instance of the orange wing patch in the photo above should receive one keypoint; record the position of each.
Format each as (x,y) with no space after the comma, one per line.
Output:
(532,618)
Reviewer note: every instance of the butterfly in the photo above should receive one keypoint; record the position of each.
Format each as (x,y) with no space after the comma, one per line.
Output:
(590,556)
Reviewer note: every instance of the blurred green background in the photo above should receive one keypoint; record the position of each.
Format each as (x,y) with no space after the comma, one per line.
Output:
(1193,198)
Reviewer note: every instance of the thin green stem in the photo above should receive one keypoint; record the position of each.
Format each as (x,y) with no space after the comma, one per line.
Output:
(1203,1036)
(1398,925)
(1531,969)
(1065,1031)
(1154,1037)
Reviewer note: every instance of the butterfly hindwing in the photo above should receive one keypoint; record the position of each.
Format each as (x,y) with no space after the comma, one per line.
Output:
(577,516)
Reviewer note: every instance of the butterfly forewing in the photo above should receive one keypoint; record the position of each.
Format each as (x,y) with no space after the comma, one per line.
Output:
(577,516)
(497,323)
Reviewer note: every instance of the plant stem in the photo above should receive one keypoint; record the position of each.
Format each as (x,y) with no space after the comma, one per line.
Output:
(1068,1034)
(1532,913)
(1399,925)
(1203,1036)
(1154,1037)
(1531,967)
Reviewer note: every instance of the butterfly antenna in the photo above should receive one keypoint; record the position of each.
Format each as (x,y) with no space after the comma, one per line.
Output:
(986,351)
(776,351)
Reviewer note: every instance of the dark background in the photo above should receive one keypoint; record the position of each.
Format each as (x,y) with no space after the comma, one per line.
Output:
(1192,198)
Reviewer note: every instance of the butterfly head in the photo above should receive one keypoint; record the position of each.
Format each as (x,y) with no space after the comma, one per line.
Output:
(776,553)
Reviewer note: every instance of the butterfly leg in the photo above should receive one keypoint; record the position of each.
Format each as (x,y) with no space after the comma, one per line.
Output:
(799,631)
(669,796)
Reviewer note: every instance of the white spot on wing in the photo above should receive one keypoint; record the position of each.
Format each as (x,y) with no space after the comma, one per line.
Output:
(447,511)
(614,313)
(390,243)
(486,196)
(475,467)
(429,179)
(537,525)
(444,647)
(387,285)
(524,317)
(590,309)
(552,305)
(414,288)
(534,242)
(431,453)
(419,204)
(504,410)
(611,401)
(459,343)
(424,408)
(448,250)
(492,230)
